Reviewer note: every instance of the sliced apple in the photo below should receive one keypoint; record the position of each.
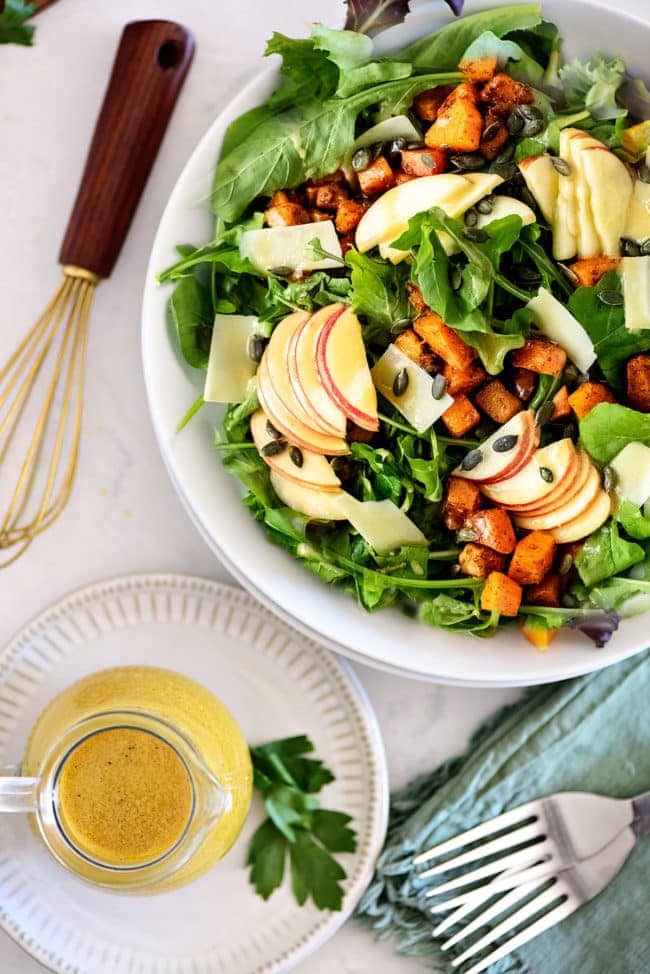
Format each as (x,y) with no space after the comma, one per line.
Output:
(314,471)
(572,509)
(542,179)
(588,522)
(304,373)
(557,323)
(382,524)
(388,217)
(416,404)
(632,469)
(312,502)
(637,223)
(635,274)
(537,479)
(565,216)
(343,369)
(276,358)
(289,246)
(588,241)
(296,432)
(611,192)
(230,367)
(497,464)
(573,481)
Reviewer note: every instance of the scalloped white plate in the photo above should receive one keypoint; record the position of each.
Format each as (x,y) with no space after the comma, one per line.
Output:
(386,639)
(277,683)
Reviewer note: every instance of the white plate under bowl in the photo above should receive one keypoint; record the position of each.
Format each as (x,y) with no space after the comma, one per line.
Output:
(213,498)
(277,683)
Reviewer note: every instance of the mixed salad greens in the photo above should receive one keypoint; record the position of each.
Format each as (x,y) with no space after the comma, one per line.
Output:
(427,305)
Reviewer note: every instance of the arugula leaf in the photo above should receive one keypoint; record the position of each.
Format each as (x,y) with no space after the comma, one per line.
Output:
(633,521)
(13,29)
(593,85)
(493,347)
(191,313)
(381,471)
(609,427)
(425,470)
(605,553)
(316,291)
(596,624)
(450,612)
(379,294)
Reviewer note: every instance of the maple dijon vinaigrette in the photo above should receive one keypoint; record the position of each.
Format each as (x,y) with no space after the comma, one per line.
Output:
(144,779)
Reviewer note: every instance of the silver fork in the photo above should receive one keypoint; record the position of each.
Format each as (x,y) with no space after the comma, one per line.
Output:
(555,853)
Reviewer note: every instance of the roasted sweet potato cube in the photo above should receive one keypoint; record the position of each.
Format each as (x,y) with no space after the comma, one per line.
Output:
(330,196)
(496,138)
(478,561)
(539,638)
(480,69)
(427,104)
(377,178)
(461,417)
(588,395)
(462,498)
(459,123)
(467,379)
(286,215)
(403,177)
(418,351)
(638,382)
(501,594)
(497,402)
(416,298)
(319,216)
(561,403)
(285,196)
(347,242)
(423,162)
(337,177)
(444,341)
(533,558)
(493,528)
(504,94)
(348,215)
(590,270)
(546,592)
(524,382)
(540,355)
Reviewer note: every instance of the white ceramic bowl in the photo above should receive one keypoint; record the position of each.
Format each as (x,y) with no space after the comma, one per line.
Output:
(213,499)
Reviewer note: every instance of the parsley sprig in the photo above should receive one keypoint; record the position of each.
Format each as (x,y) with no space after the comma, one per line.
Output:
(297,827)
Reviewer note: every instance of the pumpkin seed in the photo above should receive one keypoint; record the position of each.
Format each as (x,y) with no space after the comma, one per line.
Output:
(471,217)
(256,346)
(456,278)
(296,456)
(273,448)
(533,120)
(491,130)
(609,478)
(471,460)
(570,274)
(504,169)
(547,475)
(486,205)
(515,123)
(361,159)
(438,386)
(476,234)
(643,172)
(544,414)
(394,151)
(645,248)
(630,248)
(505,155)
(505,443)
(470,161)
(526,274)
(561,166)
(272,431)
(566,564)
(281,271)
(467,534)
(611,298)
(401,382)
(399,325)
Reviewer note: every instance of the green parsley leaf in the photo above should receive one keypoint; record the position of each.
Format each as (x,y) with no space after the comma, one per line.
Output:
(13,29)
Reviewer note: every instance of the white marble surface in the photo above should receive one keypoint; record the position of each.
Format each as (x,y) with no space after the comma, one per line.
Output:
(124,515)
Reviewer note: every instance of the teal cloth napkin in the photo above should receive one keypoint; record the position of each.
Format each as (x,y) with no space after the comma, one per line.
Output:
(589,734)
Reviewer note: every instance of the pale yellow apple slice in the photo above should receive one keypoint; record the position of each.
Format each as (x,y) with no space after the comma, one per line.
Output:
(611,192)
(542,179)
(588,522)
(305,377)
(571,484)
(322,505)
(537,479)
(286,423)
(382,524)
(343,369)
(588,241)
(557,323)
(637,224)
(314,471)
(416,403)
(277,364)
(635,273)
(565,217)
(572,509)
(230,366)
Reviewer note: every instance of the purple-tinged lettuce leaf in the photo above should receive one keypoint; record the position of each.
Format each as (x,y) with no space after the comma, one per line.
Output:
(373,16)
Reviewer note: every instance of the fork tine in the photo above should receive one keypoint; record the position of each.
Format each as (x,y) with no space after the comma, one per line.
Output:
(478,832)
(518,860)
(508,841)
(559,913)
(503,903)
(510,923)
(469,906)
(509,880)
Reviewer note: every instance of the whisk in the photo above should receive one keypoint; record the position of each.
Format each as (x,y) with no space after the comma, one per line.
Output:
(150,66)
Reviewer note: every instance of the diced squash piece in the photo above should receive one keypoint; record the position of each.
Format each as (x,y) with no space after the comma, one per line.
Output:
(497,402)
(427,104)
(495,135)
(540,355)
(459,123)
(416,298)
(282,196)
(479,69)
(463,498)
(461,417)
(319,216)
(348,214)
(588,395)
(501,594)
(377,178)
(539,638)
(636,138)
(423,162)
(494,529)
(590,270)
(467,379)
(546,592)
(286,215)
(479,561)
(638,382)
(444,341)
(524,382)
(533,558)
(505,94)
(402,177)
(417,350)
(330,196)
(561,403)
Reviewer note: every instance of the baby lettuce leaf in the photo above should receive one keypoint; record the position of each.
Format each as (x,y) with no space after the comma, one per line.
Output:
(605,553)
(633,521)
(378,294)
(347,49)
(610,427)
(13,29)
(306,71)
(593,85)
(191,313)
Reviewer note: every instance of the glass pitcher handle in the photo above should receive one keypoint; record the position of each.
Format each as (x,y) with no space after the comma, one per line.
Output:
(17,794)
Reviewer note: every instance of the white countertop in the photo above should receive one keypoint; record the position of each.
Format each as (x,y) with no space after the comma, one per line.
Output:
(124,515)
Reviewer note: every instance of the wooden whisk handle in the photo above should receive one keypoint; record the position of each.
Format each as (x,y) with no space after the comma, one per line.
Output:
(150,66)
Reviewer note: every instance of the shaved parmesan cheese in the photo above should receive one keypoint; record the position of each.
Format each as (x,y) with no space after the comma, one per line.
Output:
(383,525)
(635,273)
(230,367)
(632,469)
(416,403)
(289,246)
(557,323)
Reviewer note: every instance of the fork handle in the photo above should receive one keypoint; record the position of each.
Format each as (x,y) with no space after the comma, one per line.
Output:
(641,808)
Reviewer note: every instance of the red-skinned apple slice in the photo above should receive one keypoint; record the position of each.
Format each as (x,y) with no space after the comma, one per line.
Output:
(573,482)
(568,511)
(498,465)
(277,365)
(304,372)
(537,479)
(315,470)
(588,522)
(343,369)
(286,423)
